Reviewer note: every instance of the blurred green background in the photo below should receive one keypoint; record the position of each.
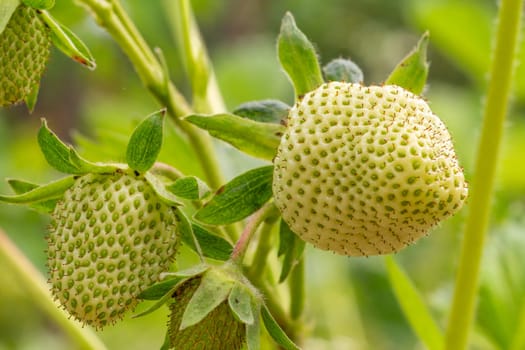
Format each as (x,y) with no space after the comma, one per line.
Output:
(350,304)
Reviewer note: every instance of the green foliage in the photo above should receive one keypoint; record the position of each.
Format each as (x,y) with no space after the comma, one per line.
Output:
(145,142)
(7,7)
(238,198)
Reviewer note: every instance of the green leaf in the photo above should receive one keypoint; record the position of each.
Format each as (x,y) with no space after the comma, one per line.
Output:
(64,158)
(298,57)
(158,290)
(40,4)
(412,72)
(213,290)
(190,187)
(145,142)
(20,186)
(239,198)
(276,331)
(7,7)
(254,138)
(265,111)
(341,69)
(160,188)
(163,299)
(52,190)
(187,235)
(67,42)
(253,331)
(240,301)
(292,247)
(212,246)
(414,307)
(167,342)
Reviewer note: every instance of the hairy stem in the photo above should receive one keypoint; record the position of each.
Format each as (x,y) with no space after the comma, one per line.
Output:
(463,308)
(35,285)
(111,16)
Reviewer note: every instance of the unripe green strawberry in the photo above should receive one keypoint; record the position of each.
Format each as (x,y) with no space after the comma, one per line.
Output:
(219,330)
(24,51)
(365,170)
(110,238)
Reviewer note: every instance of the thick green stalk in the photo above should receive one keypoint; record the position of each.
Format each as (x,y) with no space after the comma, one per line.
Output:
(463,308)
(297,289)
(111,16)
(35,285)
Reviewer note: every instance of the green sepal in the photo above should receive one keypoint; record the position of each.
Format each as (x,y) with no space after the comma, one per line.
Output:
(257,139)
(240,301)
(239,198)
(190,187)
(50,191)
(39,4)
(276,331)
(21,186)
(412,72)
(345,70)
(186,233)
(67,41)
(145,142)
(292,247)
(213,246)
(177,282)
(160,189)
(214,288)
(159,289)
(64,158)
(32,97)
(298,57)
(253,331)
(7,8)
(265,111)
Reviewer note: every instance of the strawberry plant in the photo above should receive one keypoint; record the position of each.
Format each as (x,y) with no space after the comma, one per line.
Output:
(355,168)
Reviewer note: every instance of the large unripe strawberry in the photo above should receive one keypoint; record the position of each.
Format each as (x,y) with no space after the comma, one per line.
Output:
(365,170)
(110,238)
(24,51)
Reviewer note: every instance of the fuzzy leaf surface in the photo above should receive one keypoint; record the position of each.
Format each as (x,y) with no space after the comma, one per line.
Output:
(190,187)
(64,158)
(292,247)
(240,300)
(345,70)
(253,331)
(212,291)
(145,142)
(251,137)
(298,57)
(238,198)
(275,331)
(412,72)
(265,111)
(7,7)
(67,42)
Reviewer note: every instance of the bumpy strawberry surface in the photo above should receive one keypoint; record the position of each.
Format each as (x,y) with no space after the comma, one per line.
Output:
(110,238)
(24,51)
(365,170)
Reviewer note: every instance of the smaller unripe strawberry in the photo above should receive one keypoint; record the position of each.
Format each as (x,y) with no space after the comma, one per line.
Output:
(365,170)
(219,330)
(24,51)
(110,238)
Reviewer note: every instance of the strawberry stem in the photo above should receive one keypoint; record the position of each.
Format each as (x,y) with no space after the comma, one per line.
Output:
(477,221)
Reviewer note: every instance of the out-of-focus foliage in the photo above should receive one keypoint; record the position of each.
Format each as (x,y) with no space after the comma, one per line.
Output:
(350,304)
